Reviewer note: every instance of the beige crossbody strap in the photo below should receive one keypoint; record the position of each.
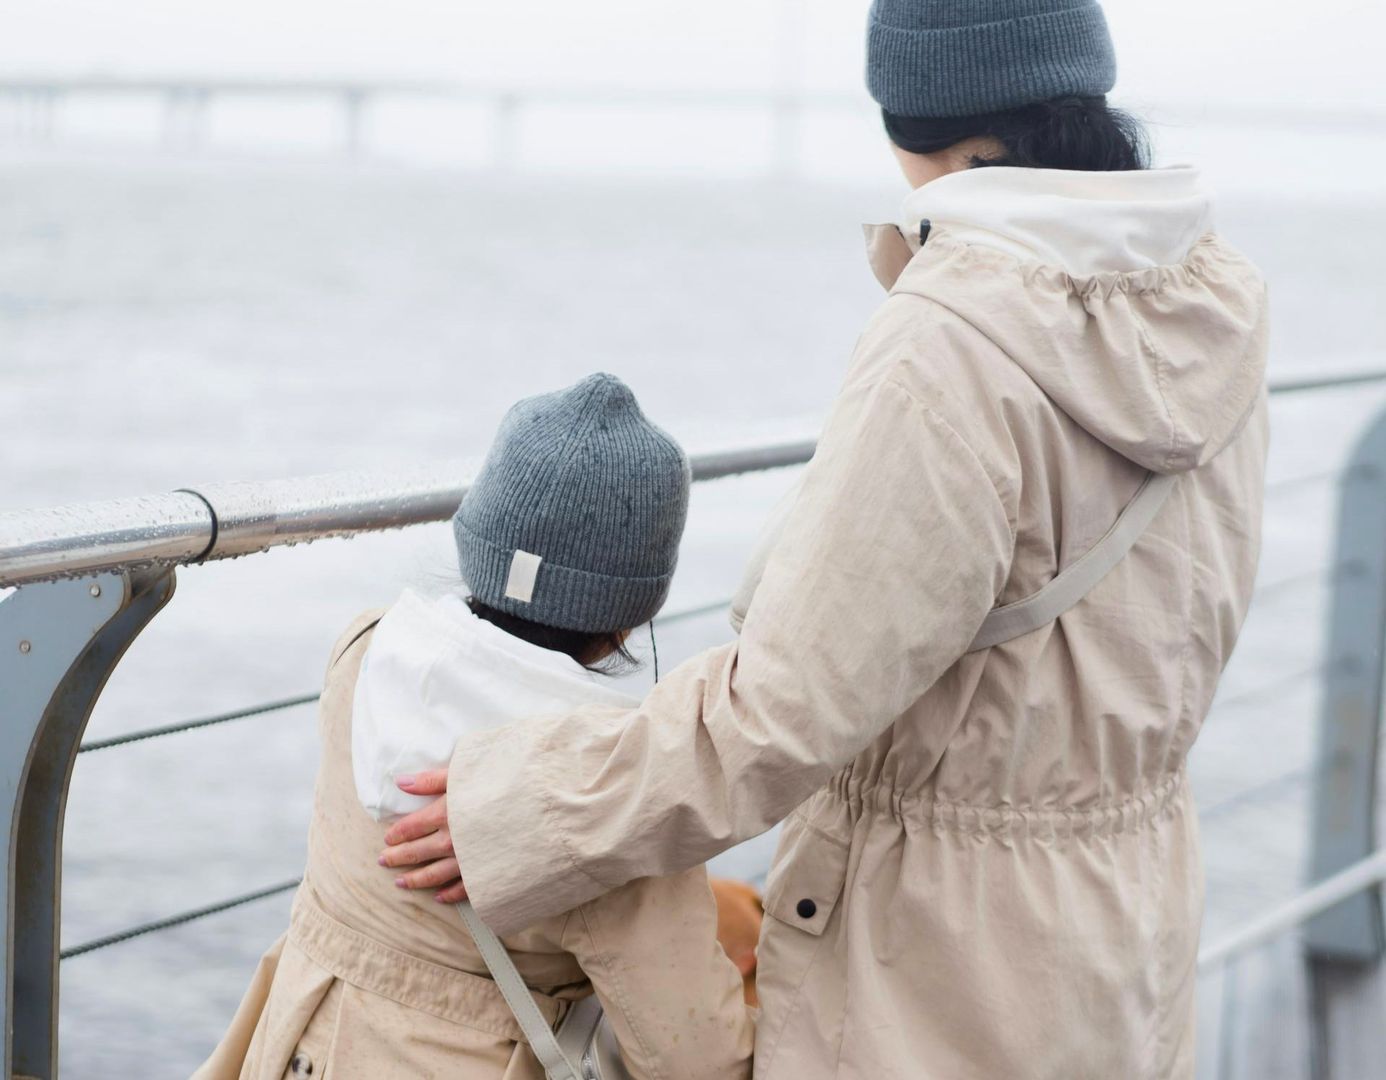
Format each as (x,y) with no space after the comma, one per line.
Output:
(541,1037)
(1079,578)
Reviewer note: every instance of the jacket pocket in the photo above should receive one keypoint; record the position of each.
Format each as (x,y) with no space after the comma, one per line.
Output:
(801,977)
(806,882)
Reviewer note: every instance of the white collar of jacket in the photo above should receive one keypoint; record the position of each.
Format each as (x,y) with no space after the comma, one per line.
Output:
(1085,223)
(434,672)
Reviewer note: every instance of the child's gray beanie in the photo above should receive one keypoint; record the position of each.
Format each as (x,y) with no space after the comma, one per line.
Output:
(943,58)
(576,516)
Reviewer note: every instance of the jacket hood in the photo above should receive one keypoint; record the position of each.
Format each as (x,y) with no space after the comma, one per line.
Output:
(1106,288)
(433,673)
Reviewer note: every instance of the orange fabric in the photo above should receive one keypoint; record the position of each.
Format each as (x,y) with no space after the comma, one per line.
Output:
(740,913)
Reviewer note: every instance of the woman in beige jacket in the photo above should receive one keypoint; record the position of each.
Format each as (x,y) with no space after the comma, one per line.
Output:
(990,868)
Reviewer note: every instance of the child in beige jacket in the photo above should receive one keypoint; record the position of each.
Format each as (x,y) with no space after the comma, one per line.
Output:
(567,541)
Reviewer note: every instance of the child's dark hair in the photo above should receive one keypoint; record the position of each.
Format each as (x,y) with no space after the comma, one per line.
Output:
(1079,133)
(604,653)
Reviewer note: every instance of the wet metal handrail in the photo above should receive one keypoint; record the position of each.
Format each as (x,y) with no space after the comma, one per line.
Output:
(225,520)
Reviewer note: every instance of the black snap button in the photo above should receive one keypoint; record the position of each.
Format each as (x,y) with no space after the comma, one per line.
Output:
(806,908)
(301,1065)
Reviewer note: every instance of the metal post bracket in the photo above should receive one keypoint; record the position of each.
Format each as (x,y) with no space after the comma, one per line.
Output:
(59,642)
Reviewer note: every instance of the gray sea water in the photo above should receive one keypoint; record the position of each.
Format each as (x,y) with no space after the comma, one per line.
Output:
(173,323)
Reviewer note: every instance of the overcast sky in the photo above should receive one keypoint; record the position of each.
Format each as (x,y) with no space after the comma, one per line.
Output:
(1255,52)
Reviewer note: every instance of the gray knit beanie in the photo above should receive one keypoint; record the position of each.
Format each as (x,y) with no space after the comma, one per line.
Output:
(576,516)
(942,58)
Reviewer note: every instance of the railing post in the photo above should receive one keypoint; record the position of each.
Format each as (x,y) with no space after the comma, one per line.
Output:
(36,114)
(45,114)
(185,116)
(785,119)
(173,97)
(505,132)
(59,642)
(1344,796)
(353,108)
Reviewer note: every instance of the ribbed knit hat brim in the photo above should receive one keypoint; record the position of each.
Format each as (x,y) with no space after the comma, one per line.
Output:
(944,58)
(564,596)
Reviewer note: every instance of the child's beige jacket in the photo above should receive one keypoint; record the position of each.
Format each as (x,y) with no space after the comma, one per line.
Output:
(371,982)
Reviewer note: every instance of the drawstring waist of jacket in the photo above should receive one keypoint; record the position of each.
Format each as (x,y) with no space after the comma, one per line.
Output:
(1008,822)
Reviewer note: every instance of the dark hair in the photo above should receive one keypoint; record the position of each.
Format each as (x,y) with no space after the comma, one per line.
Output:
(1080,133)
(604,653)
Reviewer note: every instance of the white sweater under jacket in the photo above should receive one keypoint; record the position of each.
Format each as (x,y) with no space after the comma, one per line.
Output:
(434,672)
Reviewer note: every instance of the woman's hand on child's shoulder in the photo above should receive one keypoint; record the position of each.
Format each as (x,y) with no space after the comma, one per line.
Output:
(421,840)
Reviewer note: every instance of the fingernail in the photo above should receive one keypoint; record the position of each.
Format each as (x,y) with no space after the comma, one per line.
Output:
(380,861)
(399,882)
(438,897)
(404,781)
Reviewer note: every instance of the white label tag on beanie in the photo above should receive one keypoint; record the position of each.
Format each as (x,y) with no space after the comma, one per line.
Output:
(524,568)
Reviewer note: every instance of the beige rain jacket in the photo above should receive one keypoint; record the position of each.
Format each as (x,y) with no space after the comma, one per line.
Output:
(991,864)
(371,983)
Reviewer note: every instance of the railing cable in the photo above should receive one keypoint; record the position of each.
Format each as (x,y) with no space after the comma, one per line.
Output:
(1352,474)
(1322,577)
(308,699)
(178,920)
(193,725)
(1332,381)
(1273,786)
(1272,687)
(692,613)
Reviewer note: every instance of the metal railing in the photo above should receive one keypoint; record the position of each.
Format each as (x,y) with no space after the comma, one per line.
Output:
(228,520)
(86,580)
